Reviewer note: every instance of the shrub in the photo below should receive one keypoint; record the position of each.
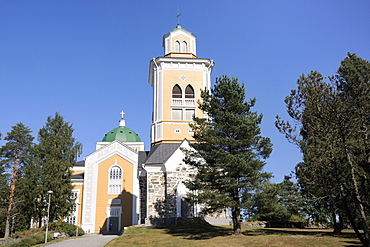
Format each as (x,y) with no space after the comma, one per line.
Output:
(65,227)
(29,241)
(28,233)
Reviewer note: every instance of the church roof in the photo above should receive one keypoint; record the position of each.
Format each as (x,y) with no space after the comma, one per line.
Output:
(160,153)
(142,157)
(80,163)
(178,26)
(78,176)
(122,134)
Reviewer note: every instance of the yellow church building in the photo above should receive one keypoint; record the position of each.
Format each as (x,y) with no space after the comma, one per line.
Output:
(121,184)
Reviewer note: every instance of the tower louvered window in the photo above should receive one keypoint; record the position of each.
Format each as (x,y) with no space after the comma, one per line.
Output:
(184,47)
(177,46)
(115,180)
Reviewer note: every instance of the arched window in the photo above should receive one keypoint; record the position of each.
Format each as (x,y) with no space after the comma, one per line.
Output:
(177,46)
(176,92)
(184,47)
(189,92)
(115,180)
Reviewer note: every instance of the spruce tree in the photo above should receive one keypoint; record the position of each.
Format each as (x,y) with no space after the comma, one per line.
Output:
(30,191)
(266,205)
(229,151)
(15,154)
(55,155)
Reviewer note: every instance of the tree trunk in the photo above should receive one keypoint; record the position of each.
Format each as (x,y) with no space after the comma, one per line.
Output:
(358,203)
(11,196)
(353,223)
(236,221)
(338,226)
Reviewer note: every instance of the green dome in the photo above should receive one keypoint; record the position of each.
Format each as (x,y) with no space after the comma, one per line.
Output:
(122,134)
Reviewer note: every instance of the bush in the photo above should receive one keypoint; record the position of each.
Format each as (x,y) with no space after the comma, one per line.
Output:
(297,218)
(28,233)
(30,241)
(65,227)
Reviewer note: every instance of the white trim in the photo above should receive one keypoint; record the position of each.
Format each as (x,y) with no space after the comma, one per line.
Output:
(77,183)
(78,168)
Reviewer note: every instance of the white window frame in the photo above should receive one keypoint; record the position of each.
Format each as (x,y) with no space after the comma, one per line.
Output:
(177,46)
(115,185)
(184,47)
(73,218)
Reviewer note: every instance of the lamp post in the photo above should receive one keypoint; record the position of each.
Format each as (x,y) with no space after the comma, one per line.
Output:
(47,219)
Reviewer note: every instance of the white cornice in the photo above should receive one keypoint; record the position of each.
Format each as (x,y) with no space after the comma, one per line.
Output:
(183,60)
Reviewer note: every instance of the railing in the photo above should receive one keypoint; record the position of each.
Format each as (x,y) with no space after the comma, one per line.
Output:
(187,102)
(190,102)
(176,101)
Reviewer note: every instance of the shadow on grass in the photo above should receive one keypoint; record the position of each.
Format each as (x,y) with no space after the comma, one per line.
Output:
(351,236)
(196,230)
(202,230)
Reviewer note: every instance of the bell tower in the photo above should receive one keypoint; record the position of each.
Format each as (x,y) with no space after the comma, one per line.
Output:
(177,79)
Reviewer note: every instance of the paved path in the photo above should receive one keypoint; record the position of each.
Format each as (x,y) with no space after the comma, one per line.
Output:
(88,241)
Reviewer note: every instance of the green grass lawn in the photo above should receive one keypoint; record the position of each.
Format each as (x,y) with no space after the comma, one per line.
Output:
(206,235)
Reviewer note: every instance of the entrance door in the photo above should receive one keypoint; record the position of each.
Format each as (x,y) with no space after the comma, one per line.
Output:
(113,224)
(187,208)
(114,219)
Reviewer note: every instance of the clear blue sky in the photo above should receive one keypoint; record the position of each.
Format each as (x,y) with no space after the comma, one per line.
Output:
(89,59)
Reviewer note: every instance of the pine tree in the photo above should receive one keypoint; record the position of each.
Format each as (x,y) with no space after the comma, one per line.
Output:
(4,193)
(15,154)
(331,127)
(229,150)
(55,155)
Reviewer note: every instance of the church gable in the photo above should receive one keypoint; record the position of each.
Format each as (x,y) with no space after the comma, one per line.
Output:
(115,147)
(112,185)
(116,179)
(177,157)
(160,153)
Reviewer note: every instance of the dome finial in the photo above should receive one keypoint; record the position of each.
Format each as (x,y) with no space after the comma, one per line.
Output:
(122,114)
(122,122)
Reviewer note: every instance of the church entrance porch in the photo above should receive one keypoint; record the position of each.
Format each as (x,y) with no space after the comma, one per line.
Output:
(114,219)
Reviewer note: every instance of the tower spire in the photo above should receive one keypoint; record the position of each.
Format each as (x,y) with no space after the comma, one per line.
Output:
(178,17)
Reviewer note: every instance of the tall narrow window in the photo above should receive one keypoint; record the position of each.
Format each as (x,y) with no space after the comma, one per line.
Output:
(177,46)
(184,47)
(115,180)
(189,92)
